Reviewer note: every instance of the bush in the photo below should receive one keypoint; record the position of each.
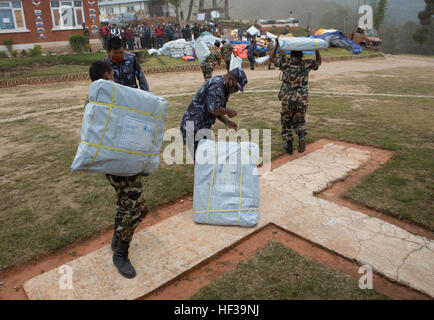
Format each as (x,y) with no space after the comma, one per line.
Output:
(8,43)
(78,42)
(23,53)
(3,55)
(36,51)
(14,53)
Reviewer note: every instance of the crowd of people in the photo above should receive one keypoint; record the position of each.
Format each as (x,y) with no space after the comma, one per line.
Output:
(149,35)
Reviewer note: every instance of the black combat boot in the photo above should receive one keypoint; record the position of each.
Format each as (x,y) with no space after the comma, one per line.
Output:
(121,261)
(118,222)
(302,142)
(288,147)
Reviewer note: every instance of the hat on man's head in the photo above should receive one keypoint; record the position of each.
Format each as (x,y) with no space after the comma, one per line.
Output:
(241,77)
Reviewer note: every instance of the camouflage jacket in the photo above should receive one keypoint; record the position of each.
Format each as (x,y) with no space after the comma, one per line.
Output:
(210,97)
(215,56)
(127,71)
(270,47)
(295,75)
(227,51)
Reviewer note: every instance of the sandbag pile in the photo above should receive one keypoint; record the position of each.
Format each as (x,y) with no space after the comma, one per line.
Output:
(122,130)
(177,49)
(226,183)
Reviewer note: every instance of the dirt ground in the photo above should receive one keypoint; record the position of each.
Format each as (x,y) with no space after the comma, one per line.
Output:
(170,83)
(26,98)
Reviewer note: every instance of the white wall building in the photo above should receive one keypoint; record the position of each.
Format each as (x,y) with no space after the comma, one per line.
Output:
(110,8)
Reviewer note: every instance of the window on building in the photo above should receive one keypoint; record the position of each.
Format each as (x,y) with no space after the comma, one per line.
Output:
(67,14)
(11,15)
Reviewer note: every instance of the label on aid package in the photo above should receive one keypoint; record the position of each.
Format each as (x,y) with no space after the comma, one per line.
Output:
(136,134)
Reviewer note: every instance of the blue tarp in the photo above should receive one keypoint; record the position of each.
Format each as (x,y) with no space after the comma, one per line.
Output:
(338,39)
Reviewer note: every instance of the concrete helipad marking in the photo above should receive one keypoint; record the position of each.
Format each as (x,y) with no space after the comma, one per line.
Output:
(166,250)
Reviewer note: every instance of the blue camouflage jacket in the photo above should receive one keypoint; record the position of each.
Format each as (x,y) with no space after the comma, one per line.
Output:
(210,97)
(126,72)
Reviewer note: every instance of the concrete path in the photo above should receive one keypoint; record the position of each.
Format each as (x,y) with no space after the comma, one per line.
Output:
(175,245)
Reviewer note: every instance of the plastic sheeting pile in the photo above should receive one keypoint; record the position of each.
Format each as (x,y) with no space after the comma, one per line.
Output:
(338,39)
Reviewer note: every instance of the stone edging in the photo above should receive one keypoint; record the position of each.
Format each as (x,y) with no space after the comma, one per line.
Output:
(85,76)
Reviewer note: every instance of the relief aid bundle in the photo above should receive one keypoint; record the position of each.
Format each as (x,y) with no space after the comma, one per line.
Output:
(302,44)
(122,130)
(226,184)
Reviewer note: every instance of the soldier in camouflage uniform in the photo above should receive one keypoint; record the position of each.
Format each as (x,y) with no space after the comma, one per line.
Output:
(213,59)
(294,94)
(269,50)
(227,50)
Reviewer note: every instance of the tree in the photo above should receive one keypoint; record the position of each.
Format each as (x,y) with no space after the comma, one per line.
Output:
(190,9)
(177,4)
(379,8)
(422,34)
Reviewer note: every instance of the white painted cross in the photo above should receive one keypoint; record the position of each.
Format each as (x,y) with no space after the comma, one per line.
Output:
(175,245)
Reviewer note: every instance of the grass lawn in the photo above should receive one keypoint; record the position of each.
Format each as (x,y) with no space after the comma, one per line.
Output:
(276,272)
(43,206)
(67,64)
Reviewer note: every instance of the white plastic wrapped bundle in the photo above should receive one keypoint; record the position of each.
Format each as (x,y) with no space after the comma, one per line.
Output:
(226,184)
(262,60)
(122,130)
(253,31)
(271,36)
(202,51)
(301,44)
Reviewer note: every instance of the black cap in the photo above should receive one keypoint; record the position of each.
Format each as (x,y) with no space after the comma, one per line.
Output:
(241,77)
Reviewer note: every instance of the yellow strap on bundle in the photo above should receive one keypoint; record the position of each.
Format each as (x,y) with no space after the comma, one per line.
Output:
(208,211)
(111,106)
(105,127)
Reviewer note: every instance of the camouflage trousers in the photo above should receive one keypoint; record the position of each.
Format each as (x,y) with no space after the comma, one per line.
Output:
(131,205)
(207,70)
(293,115)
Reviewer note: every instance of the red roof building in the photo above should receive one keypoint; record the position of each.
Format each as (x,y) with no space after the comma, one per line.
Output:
(47,23)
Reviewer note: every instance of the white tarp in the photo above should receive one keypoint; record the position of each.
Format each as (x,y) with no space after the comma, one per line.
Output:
(236,62)
(122,130)
(226,183)
(301,44)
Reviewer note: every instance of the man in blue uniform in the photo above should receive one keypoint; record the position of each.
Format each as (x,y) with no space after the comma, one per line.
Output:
(126,67)
(209,104)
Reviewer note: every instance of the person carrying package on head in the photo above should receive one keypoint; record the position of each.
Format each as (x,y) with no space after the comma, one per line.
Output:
(209,104)
(126,66)
(251,53)
(213,59)
(294,94)
(226,51)
(131,205)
